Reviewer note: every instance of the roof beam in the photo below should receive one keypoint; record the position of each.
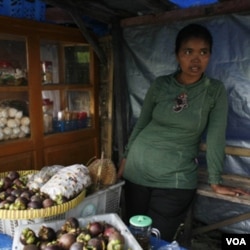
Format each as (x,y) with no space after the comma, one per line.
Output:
(94,10)
(157,6)
(225,7)
(96,46)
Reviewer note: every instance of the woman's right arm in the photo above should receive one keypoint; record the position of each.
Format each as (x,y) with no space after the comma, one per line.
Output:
(121,169)
(145,116)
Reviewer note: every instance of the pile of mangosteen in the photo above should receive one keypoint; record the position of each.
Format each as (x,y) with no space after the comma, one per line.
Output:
(15,195)
(98,235)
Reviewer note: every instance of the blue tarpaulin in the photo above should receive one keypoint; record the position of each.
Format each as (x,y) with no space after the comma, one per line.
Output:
(191,3)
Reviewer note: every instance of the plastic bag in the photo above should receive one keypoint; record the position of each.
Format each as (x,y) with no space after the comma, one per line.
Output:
(37,180)
(67,182)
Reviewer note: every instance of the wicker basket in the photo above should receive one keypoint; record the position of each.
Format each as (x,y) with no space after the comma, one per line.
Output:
(12,218)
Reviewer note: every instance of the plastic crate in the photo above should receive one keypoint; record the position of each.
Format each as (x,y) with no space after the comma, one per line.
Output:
(30,9)
(101,202)
(8,227)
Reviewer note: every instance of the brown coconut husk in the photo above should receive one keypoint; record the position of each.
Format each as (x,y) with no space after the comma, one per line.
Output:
(102,172)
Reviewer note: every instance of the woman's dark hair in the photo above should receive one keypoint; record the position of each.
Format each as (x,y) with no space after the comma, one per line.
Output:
(193,31)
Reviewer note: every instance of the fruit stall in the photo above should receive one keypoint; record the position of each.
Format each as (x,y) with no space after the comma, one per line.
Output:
(64,208)
(71,87)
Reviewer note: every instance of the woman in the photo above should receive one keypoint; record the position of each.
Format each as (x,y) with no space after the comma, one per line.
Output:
(159,163)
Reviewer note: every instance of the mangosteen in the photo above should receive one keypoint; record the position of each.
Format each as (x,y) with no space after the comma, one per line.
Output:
(26,194)
(7,182)
(24,179)
(118,237)
(28,237)
(66,240)
(21,203)
(70,225)
(46,233)
(10,198)
(18,183)
(22,200)
(77,246)
(48,202)
(97,243)
(13,175)
(9,190)
(84,236)
(3,195)
(95,228)
(37,198)
(34,205)
(109,229)
(4,204)
(16,192)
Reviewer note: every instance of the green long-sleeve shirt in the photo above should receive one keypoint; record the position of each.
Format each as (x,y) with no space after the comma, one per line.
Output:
(164,144)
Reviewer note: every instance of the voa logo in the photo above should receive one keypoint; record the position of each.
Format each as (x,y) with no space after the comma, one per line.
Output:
(236,241)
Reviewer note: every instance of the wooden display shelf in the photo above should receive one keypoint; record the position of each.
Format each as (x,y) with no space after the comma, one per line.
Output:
(40,149)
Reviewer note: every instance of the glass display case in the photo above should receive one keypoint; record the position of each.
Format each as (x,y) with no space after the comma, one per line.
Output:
(48,95)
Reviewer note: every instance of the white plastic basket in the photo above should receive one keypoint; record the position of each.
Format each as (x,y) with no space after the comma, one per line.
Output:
(112,218)
(101,202)
(9,226)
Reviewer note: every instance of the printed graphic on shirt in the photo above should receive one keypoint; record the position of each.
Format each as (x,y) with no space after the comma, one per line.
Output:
(180,102)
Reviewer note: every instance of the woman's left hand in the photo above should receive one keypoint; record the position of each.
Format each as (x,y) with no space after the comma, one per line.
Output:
(221,189)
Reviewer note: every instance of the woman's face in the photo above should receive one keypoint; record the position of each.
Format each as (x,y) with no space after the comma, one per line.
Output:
(193,57)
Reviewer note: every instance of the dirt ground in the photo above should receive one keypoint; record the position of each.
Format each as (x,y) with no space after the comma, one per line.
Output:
(207,241)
